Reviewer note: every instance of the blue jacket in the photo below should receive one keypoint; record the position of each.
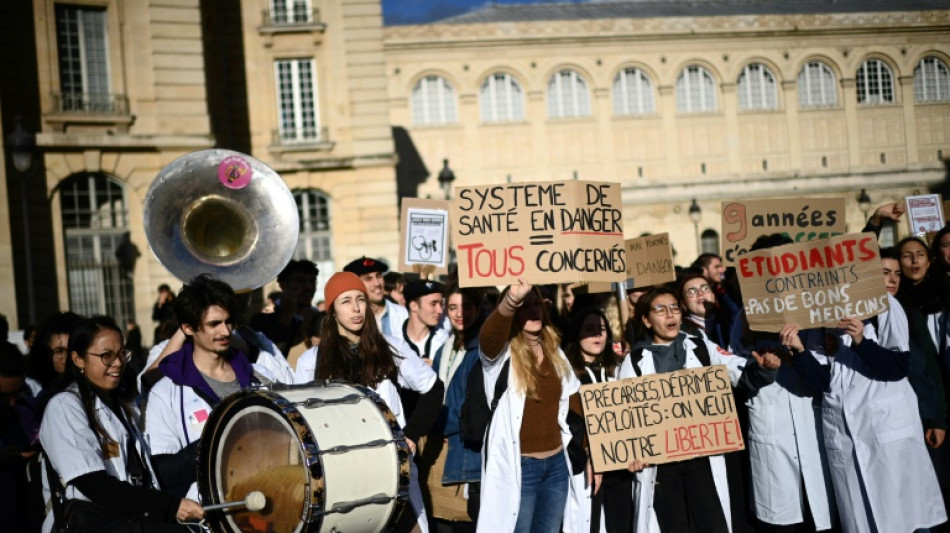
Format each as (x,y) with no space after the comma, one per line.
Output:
(462,465)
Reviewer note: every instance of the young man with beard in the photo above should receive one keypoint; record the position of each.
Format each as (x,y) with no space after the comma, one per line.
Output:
(196,377)
(389,315)
(284,327)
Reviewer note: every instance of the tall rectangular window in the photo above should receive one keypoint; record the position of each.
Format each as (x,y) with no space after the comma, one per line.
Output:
(83,59)
(297,100)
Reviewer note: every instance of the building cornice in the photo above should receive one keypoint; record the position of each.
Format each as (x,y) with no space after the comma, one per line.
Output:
(643,29)
(78,141)
(796,184)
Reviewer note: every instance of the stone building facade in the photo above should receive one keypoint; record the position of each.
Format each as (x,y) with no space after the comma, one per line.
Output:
(720,101)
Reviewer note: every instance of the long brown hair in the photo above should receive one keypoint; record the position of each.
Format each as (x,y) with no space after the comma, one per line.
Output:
(524,364)
(376,357)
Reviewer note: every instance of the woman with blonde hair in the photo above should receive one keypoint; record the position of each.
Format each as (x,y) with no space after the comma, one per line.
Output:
(525,472)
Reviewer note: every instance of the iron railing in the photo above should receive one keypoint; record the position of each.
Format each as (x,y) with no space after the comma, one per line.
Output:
(91,103)
(283,18)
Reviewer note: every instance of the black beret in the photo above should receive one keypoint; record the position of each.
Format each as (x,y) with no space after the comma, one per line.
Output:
(365,265)
(418,288)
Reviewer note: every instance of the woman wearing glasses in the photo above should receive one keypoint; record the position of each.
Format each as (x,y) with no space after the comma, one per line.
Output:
(691,494)
(698,299)
(92,438)
(525,472)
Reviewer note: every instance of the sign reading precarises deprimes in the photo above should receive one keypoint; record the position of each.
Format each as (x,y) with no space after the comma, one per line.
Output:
(557,232)
(812,284)
(661,418)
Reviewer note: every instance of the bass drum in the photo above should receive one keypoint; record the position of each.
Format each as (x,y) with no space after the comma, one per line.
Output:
(328,456)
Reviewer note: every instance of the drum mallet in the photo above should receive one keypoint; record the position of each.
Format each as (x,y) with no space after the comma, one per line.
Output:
(254,501)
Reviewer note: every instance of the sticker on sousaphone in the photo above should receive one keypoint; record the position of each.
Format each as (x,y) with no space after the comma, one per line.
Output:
(235,172)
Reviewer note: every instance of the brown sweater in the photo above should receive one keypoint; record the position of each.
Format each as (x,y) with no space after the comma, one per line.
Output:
(540,431)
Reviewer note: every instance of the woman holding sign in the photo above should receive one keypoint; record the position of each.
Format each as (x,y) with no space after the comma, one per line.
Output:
(525,472)
(593,359)
(691,494)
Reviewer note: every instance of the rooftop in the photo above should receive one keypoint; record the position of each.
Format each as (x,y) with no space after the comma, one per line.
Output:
(682,8)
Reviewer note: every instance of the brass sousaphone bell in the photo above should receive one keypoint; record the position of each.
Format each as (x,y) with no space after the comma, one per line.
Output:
(224,213)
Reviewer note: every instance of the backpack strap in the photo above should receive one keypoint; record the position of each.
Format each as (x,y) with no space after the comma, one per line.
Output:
(57,493)
(701,351)
(501,385)
(635,356)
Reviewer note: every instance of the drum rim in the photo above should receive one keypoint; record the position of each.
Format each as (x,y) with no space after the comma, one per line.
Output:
(315,500)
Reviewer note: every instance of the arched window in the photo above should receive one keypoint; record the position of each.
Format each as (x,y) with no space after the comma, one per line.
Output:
(931,80)
(695,90)
(568,95)
(315,241)
(502,98)
(756,88)
(633,93)
(816,86)
(100,256)
(433,102)
(709,242)
(875,83)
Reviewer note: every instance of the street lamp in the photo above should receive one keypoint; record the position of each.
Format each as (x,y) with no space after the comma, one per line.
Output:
(695,214)
(864,203)
(21,144)
(446,177)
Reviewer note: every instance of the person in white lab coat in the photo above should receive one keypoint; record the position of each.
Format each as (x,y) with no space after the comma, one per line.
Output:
(791,487)
(691,494)
(92,439)
(882,475)
(525,468)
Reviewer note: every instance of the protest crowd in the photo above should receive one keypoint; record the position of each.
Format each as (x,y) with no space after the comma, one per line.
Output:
(843,426)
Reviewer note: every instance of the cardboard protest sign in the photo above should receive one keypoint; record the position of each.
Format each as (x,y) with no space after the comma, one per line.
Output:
(424,236)
(596,287)
(812,284)
(801,219)
(650,260)
(556,232)
(661,418)
(924,213)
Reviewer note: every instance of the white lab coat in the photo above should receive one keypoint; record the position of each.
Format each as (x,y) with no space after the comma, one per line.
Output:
(390,322)
(643,488)
(271,363)
(786,455)
(501,452)
(578,514)
(74,449)
(874,441)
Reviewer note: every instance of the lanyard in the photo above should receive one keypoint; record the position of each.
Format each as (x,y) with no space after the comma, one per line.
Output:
(593,377)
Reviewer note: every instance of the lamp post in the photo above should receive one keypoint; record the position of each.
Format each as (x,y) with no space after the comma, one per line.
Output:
(695,214)
(446,177)
(864,203)
(22,143)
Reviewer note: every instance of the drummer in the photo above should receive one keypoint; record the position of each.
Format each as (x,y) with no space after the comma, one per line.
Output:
(353,349)
(195,379)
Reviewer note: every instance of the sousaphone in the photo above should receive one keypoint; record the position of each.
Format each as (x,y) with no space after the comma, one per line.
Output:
(224,213)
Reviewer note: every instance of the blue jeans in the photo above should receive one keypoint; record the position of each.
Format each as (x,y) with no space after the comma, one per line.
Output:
(544,485)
